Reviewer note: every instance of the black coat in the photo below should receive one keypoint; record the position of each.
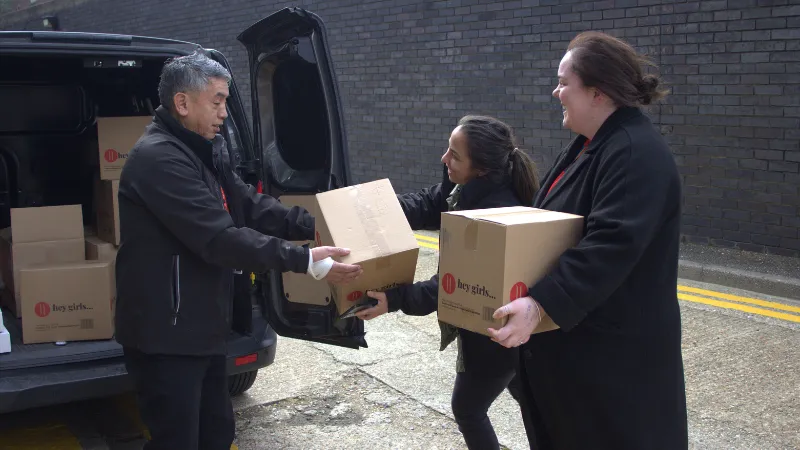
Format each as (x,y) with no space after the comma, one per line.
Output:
(612,376)
(423,210)
(180,247)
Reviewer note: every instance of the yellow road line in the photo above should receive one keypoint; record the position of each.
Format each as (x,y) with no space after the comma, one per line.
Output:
(422,237)
(737,298)
(721,300)
(426,245)
(56,436)
(739,307)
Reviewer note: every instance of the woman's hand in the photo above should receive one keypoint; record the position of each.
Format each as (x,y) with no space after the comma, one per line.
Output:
(381,308)
(525,315)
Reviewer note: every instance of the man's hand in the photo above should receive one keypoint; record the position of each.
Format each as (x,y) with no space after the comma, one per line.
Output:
(339,273)
(381,308)
(525,315)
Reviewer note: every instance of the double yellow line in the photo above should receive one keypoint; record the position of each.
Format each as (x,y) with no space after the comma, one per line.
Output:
(703,296)
(427,242)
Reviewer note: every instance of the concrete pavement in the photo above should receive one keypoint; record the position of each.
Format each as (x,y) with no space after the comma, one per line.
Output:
(742,374)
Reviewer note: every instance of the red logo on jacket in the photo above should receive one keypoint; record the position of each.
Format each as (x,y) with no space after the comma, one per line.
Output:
(355,295)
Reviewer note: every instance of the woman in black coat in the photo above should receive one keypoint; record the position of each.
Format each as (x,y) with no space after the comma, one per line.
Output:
(612,376)
(484,170)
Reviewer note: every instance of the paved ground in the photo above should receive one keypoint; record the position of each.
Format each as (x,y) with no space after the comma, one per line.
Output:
(741,353)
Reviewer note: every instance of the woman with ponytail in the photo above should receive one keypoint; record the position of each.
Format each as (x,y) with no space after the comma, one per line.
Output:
(485,169)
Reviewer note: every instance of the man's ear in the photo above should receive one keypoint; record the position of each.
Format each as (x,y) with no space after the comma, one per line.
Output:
(181,101)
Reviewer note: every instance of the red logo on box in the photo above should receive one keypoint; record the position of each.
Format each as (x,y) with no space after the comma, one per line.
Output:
(518,290)
(355,295)
(449,283)
(111,155)
(42,309)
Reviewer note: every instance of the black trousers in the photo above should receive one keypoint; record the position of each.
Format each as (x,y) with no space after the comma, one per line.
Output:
(183,400)
(473,394)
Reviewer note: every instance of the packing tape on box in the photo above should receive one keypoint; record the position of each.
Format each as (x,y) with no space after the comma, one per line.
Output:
(367,215)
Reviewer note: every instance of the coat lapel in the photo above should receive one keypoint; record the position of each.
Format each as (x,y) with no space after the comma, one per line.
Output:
(611,124)
(572,172)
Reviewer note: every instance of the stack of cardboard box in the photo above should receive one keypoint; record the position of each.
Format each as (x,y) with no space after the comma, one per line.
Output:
(116,136)
(59,276)
(59,295)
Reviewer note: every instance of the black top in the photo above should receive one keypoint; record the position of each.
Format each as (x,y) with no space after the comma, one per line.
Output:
(180,247)
(423,211)
(612,376)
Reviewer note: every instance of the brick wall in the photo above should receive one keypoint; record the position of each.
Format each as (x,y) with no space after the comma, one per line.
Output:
(408,69)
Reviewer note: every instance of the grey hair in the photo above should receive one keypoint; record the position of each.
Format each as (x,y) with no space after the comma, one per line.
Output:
(190,73)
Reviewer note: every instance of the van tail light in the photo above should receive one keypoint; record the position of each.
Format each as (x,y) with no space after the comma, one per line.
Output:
(249,359)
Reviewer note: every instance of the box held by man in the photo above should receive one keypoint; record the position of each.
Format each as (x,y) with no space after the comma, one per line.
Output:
(367,219)
(489,257)
(299,287)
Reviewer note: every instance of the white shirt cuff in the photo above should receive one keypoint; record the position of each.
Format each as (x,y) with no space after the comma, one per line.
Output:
(319,270)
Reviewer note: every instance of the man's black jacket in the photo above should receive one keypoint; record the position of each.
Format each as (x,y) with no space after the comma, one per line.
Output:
(180,247)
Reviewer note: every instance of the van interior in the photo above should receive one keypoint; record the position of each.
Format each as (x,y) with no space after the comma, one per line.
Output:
(48,131)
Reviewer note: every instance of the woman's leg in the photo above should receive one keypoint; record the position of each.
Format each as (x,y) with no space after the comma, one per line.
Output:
(473,394)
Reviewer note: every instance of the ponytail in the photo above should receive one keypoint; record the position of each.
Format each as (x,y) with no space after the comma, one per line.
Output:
(492,150)
(524,176)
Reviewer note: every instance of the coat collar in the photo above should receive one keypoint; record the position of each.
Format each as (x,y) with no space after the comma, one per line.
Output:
(614,121)
(200,146)
(476,190)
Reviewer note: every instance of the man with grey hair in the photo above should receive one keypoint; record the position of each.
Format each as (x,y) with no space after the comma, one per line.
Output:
(188,222)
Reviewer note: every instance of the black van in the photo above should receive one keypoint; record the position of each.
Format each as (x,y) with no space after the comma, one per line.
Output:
(58,83)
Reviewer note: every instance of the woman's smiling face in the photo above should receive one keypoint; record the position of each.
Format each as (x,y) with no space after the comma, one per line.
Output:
(576,99)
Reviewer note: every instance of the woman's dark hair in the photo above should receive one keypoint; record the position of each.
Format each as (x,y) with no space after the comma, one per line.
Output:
(492,150)
(615,68)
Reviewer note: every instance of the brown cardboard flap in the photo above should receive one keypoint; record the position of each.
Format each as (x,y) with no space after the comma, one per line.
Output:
(98,249)
(46,223)
(471,237)
(299,287)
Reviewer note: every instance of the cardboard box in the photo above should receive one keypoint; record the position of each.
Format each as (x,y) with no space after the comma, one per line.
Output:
(5,337)
(47,223)
(489,257)
(116,136)
(42,235)
(367,219)
(100,250)
(298,287)
(107,206)
(67,302)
